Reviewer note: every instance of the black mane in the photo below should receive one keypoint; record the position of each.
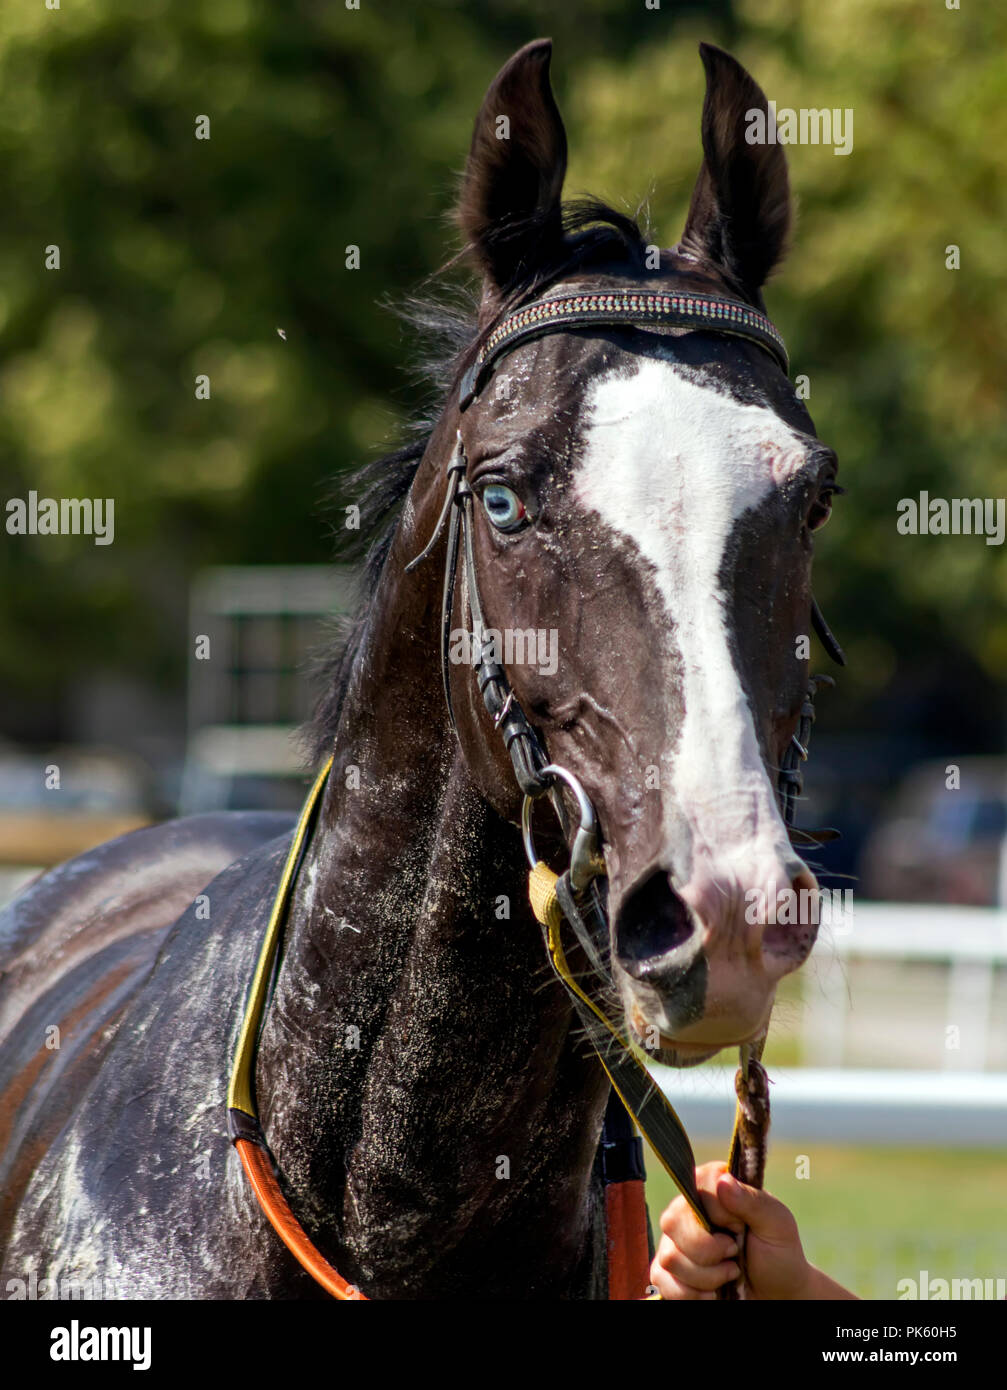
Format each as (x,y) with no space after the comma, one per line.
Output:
(445,325)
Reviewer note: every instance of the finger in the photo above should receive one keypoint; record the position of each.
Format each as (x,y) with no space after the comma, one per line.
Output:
(680,1222)
(762,1213)
(681,1225)
(706,1278)
(680,1217)
(707,1176)
(670,1288)
(715,1251)
(708,1179)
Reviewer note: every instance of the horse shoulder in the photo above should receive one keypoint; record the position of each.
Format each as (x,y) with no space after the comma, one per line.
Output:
(75,949)
(133,886)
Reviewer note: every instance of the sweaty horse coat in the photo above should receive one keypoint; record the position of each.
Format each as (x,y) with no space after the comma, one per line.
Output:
(421,1079)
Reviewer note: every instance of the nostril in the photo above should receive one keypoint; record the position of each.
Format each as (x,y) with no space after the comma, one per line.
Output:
(652,920)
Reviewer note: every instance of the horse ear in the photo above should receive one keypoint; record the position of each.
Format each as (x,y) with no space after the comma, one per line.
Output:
(739,216)
(509,208)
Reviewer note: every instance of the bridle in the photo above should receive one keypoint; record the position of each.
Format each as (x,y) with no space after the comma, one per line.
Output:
(571,898)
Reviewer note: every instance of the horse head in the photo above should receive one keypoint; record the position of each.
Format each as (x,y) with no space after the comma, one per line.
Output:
(643,509)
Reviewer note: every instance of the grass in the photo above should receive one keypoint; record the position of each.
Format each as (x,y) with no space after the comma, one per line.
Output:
(871,1216)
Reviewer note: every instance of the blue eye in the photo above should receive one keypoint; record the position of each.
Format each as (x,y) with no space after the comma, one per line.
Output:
(503,507)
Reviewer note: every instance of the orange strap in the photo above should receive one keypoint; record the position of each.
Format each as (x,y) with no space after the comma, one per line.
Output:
(257,1166)
(628,1248)
(625,1217)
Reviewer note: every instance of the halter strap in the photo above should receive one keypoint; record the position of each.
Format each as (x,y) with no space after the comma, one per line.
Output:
(638,308)
(243,1126)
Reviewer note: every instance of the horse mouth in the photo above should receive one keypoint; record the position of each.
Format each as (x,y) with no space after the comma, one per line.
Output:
(674,1052)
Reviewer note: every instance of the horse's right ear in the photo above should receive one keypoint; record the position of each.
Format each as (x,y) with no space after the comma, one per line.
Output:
(509,208)
(739,217)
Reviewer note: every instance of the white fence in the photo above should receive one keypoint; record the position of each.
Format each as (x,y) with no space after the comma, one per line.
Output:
(969,942)
(961,1105)
(262,623)
(919,1109)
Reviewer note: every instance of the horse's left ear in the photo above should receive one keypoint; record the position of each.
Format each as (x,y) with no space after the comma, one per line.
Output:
(509,208)
(740,211)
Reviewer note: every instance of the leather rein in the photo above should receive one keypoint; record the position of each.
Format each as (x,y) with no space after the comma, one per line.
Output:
(570,899)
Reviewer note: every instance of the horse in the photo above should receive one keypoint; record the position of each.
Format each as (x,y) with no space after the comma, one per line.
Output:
(643,493)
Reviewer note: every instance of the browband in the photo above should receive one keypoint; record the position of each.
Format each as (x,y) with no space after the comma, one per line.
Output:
(638,307)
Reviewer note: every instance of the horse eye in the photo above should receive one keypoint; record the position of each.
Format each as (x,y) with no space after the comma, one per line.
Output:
(821,509)
(503,507)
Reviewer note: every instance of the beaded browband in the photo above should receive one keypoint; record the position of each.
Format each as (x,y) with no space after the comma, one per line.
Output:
(637,307)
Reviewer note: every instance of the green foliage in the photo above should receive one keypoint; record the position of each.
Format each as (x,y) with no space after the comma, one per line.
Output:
(333,127)
(907,359)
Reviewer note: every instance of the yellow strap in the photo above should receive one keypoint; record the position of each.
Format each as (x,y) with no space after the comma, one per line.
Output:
(542,892)
(240,1090)
(543,896)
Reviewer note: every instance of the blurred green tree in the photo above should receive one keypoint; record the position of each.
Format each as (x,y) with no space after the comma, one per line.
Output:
(332,128)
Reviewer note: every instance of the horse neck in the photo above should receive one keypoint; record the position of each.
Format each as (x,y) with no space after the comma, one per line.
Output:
(418,1065)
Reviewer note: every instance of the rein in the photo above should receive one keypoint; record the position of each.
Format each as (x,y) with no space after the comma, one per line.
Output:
(571,898)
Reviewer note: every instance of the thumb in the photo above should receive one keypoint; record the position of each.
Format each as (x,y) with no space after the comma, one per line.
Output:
(761,1213)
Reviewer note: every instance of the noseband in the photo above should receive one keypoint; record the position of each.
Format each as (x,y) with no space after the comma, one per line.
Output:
(572,897)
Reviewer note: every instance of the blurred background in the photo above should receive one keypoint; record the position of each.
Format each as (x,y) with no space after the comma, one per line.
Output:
(332,128)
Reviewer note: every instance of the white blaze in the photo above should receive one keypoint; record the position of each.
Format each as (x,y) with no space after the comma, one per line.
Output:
(671,465)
